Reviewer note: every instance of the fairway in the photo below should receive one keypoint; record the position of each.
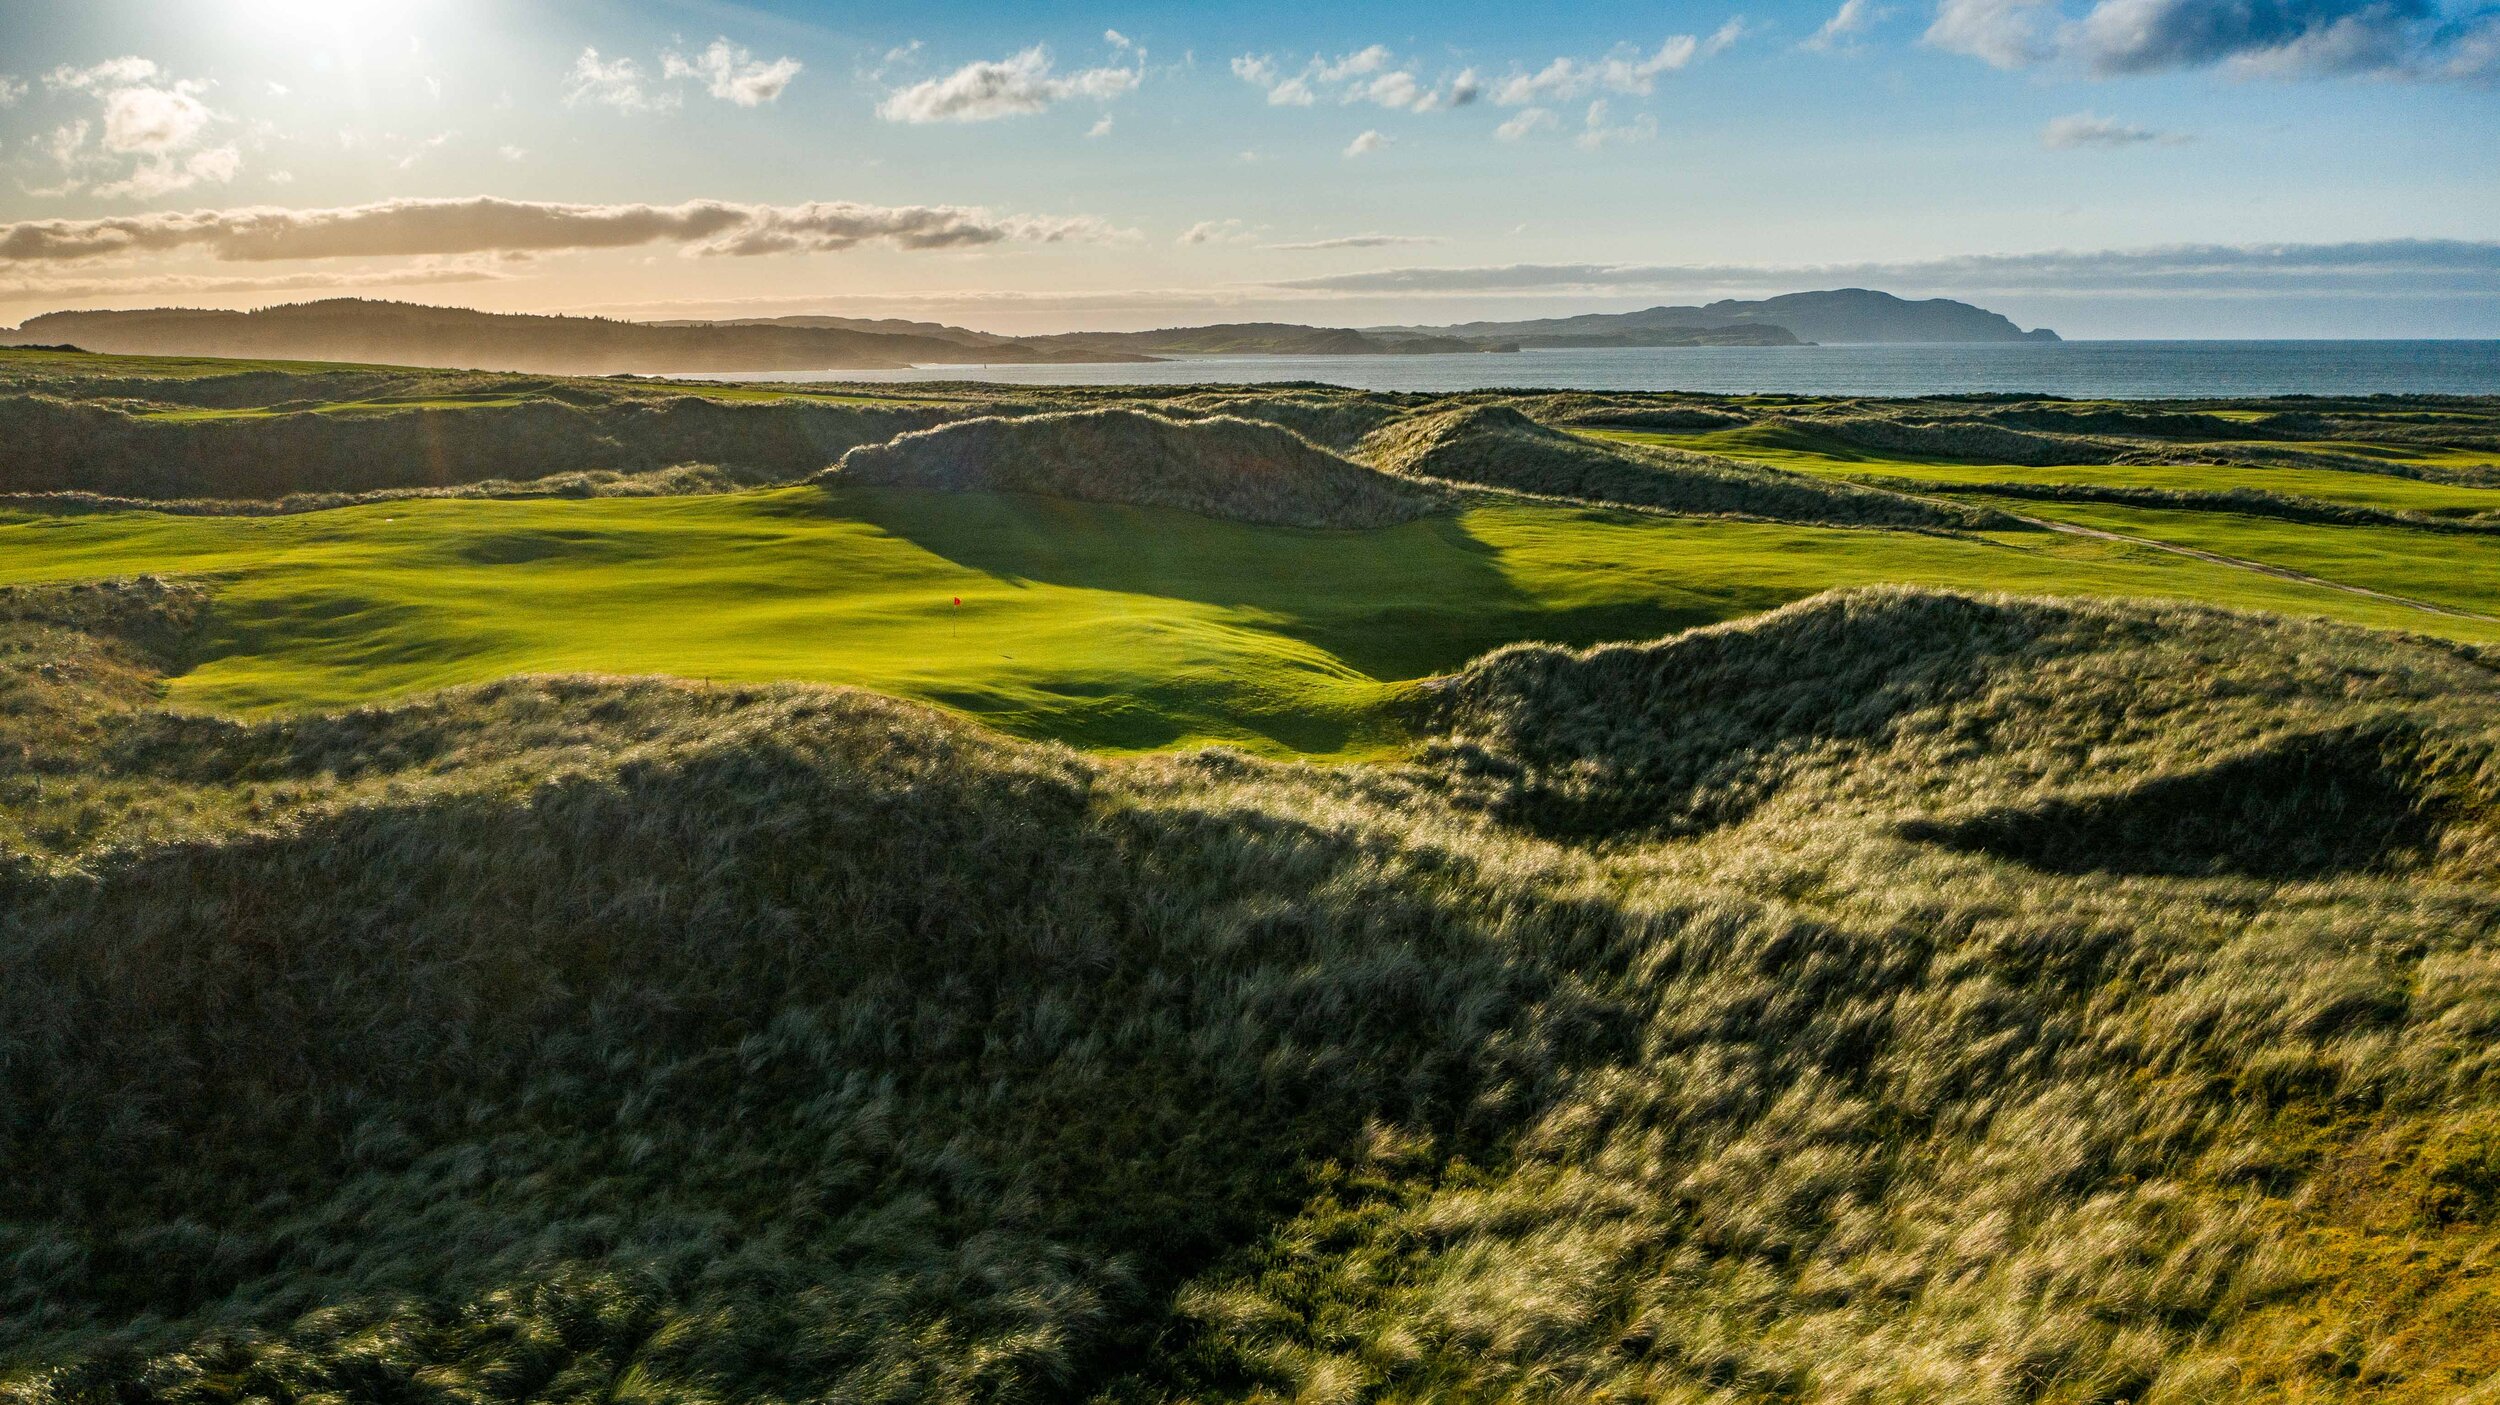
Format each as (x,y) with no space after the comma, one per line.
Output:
(2388,491)
(1111,627)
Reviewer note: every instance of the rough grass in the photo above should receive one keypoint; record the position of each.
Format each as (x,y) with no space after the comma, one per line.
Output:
(51,445)
(1242,470)
(1683,1026)
(1497,446)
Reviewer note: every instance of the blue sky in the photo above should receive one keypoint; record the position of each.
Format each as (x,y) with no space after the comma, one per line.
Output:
(2106,167)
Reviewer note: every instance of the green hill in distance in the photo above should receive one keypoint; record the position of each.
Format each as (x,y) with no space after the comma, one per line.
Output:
(1839,316)
(389,333)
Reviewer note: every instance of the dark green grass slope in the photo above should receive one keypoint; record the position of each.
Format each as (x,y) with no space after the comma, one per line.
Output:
(567,1039)
(1496,446)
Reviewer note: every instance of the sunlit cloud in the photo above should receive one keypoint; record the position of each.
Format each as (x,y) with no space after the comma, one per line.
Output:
(733,75)
(1371,74)
(484,225)
(152,132)
(617,83)
(1528,122)
(1626,70)
(1019,85)
(1852,19)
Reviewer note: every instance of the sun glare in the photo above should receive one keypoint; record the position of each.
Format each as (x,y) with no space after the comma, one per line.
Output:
(327,21)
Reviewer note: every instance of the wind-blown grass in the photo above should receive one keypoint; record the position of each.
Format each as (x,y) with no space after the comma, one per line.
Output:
(1694,1020)
(1242,470)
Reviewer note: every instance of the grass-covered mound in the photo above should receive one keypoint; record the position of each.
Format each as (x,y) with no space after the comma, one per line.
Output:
(1239,469)
(1497,446)
(54,445)
(1335,420)
(2198,705)
(562,1039)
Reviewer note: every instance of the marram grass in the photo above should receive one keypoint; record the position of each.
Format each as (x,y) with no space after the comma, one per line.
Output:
(1744,1017)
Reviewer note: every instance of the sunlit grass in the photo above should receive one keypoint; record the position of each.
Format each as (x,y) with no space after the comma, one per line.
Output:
(1109,626)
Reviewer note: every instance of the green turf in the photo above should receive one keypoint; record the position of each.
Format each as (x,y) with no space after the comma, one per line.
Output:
(2386,491)
(2459,571)
(1112,627)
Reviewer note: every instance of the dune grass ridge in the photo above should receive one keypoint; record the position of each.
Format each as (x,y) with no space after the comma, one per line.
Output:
(1241,469)
(1736,1016)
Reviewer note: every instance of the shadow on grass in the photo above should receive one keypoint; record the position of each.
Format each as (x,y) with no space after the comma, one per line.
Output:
(1394,603)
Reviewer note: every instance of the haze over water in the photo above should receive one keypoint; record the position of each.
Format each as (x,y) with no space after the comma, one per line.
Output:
(2131,370)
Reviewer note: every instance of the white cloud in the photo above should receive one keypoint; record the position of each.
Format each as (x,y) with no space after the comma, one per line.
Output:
(123,72)
(1214,232)
(2005,33)
(1530,121)
(1724,37)
(1626,70)
(1101,127)
(511,153)
(732,74)
(1117,40)
(611,83)
(1852,19)
(1365,145)
(1353,65)
(1016,86)
(277,89)
(152,121)
(2081,129)
(1597,130)
(158,124)
(1352,241)
(480,225)
(163,175)
(12,91)
(1371,74)
(67,144)
(1391,90)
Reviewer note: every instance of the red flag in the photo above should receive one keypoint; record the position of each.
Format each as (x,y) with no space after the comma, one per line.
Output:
(959,602)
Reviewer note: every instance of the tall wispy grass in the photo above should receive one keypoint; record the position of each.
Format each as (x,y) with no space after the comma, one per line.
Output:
(1763,1014)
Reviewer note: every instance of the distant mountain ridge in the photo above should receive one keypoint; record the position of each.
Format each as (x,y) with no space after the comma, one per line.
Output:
(1839,315)
(409,334)
(1256,339)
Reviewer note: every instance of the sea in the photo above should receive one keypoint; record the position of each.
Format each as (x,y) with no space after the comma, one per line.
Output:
(2124,370)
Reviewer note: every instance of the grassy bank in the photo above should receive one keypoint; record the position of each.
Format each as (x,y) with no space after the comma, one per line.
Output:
(1105,625)
(1895,998)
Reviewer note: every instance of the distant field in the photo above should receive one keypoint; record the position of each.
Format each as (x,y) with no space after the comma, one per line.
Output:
(2462,572)
(2380,490)
(1111,627)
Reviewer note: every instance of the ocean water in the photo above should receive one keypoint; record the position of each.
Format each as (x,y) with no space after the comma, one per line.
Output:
(2131,370)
